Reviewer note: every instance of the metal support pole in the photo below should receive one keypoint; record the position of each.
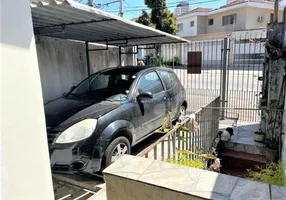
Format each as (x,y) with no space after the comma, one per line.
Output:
(87,58)
(90,3)
(173,56)
(121,8)
(224,78)
(276,9)
(120,61)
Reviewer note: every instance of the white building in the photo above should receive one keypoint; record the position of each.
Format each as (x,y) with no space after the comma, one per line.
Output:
(182,7)
(237,15)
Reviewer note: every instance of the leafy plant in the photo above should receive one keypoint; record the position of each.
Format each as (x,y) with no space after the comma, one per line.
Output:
(191,159)
(186,161)
(272,174)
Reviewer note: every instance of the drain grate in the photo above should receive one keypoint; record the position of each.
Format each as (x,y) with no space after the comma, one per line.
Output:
(65,191)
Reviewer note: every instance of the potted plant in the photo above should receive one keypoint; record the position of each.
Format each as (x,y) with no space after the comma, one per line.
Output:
(271,152)
(273,129)
(258,136)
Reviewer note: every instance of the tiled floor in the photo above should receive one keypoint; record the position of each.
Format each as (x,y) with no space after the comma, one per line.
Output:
(243,131)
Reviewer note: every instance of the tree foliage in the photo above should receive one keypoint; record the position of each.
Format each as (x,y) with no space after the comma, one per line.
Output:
(145,19)
(160,17)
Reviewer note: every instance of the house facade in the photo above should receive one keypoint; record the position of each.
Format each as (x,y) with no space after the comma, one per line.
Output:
(239,15)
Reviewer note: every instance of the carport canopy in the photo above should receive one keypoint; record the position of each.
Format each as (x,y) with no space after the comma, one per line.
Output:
(67,19)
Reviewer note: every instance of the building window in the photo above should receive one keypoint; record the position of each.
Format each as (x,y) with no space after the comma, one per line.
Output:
(192,23)
(229,19)
(211,22)
(271,17)
(180,27)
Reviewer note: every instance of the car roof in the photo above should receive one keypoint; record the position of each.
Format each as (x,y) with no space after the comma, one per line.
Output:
(133,69)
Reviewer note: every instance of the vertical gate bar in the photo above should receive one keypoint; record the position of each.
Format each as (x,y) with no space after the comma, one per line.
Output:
(169,147)
(231,100)
(227,82)
(212,64)
(190,141)
(155,152)
(183,140)
(260,73)
(243,74)
(162,150)
(187,140)
(215,85)
(174,145)
(224,76)
(178,133)
(221,68)
(254,93)
(87,58)
(237,95)
(248,76)
(172,56)
(195,74)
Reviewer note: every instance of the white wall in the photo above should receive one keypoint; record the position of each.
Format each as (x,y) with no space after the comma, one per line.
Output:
(25,167)
(63,63)
(187,29)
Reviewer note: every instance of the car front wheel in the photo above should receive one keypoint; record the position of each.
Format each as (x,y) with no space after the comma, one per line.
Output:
(118,147)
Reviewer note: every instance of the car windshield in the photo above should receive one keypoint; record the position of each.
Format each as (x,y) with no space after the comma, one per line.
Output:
(108,85)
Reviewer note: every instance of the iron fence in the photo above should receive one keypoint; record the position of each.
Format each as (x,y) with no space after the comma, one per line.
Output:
(231,68)
(178,139)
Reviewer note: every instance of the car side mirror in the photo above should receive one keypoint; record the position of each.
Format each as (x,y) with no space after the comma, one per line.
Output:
(145,95)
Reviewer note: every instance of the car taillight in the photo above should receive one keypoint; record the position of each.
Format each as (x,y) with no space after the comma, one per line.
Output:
(182,86)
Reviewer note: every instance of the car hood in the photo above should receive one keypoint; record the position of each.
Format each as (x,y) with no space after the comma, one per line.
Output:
(62,113)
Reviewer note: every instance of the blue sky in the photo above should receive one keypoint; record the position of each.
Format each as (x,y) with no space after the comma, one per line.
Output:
(133,8)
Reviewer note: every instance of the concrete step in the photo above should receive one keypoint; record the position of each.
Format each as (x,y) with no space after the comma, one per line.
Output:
(233,172)
(255,148)
(240,161)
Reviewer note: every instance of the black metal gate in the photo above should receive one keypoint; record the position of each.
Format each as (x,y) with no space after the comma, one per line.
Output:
(231,67)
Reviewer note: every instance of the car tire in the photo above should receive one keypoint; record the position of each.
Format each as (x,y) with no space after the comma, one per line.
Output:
(182,113)
(118,147)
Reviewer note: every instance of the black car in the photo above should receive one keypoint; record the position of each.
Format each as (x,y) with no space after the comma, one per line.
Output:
(107,113)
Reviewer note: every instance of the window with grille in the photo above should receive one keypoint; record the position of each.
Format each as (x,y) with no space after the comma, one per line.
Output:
(229,19)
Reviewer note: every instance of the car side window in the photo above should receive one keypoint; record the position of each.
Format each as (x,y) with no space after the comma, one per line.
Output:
(169,79)
(150,82)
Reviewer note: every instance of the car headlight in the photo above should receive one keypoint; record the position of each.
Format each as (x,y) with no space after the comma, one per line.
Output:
(78,131)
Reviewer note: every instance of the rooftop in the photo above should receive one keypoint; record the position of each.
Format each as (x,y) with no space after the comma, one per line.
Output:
(67,19)
(231,5)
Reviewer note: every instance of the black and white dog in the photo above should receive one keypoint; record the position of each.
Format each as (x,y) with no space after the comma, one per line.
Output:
(226,134)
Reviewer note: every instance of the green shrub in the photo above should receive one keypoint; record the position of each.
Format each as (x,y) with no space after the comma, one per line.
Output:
(186,161)
(272,174)
(191,159)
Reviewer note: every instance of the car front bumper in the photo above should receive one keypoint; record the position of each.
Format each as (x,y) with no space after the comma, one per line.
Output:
(77,157)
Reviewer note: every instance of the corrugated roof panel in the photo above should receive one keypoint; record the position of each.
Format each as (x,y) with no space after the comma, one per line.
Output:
(68,19)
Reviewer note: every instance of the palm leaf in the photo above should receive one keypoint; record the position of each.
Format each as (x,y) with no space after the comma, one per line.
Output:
(208,156)
(185,152)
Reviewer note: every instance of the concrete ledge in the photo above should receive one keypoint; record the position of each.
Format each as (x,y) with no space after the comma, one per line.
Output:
(131,178)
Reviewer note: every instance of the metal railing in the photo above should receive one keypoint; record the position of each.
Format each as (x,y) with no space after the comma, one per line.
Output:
(180,139)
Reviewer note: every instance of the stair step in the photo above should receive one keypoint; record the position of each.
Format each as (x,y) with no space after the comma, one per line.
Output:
(258,149)
(241,161)
(245,156)
(234,172)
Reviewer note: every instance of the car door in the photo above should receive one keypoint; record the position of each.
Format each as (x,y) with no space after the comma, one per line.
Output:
(173,89)
(150,112)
